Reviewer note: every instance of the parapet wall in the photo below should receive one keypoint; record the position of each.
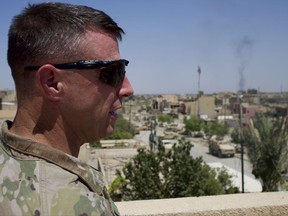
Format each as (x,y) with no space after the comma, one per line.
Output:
(248,204)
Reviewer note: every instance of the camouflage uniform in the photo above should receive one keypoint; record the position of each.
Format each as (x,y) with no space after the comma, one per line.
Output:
(36,179)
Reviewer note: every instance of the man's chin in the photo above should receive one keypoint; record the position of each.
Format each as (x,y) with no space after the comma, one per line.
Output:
(109,131)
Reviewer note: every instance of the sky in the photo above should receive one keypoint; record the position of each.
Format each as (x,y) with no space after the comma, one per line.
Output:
(238,44)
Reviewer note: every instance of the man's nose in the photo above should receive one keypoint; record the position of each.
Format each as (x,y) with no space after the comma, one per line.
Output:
(126,88)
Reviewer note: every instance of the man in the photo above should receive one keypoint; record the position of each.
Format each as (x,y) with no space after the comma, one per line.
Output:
(70,81)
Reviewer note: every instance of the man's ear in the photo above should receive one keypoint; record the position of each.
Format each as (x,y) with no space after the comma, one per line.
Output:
(49,82)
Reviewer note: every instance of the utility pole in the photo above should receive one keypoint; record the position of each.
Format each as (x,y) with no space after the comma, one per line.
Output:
(199,74)
(241,142)
(153,123)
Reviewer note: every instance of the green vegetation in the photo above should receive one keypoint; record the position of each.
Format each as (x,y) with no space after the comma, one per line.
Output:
(169,174)
(194,123)
(216,128)
(235,136)
(266,140)
(165,118)
(123,129)
(252,91)
(95,144)
(210,128)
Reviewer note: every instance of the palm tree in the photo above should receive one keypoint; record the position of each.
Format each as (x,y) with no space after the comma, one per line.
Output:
(267,141)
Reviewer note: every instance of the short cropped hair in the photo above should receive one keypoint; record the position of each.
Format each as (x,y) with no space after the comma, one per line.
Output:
(50,31)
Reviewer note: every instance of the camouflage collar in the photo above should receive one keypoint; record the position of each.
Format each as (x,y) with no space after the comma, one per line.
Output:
(29,147)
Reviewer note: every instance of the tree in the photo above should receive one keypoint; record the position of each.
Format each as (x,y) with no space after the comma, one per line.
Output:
(165,118)
(123,129)
(266,140)
(252,91)
(169,174)
(193,124)
(216,128)
(95,144)
(235,136)
(141,179)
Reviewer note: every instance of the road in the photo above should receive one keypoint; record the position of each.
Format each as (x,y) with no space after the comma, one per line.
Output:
(233,165)
(201,149)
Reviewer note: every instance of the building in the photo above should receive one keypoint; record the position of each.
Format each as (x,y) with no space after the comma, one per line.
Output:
(8,105)
(204,105)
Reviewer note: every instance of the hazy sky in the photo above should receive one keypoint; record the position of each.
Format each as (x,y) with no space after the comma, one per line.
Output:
(238,44)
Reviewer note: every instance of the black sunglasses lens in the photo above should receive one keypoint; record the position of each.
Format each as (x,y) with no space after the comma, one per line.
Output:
(113,75)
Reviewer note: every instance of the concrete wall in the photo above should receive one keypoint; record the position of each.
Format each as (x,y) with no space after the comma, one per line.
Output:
(110,159)
(7,114)
(248,204)
(8,100)
(207,106)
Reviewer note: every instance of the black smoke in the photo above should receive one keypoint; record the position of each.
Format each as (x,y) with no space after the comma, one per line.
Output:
(243,52)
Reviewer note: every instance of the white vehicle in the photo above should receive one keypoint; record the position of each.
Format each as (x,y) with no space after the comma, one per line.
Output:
(168,143)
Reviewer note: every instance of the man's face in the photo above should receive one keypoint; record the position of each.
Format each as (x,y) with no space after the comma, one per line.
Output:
(89,105)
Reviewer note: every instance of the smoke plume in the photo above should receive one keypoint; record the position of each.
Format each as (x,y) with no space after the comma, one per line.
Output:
(243,52)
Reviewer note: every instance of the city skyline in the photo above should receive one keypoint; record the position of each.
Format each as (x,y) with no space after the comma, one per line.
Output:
(238,45)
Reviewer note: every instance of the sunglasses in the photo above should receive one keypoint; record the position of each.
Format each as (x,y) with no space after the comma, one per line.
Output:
(112,72)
